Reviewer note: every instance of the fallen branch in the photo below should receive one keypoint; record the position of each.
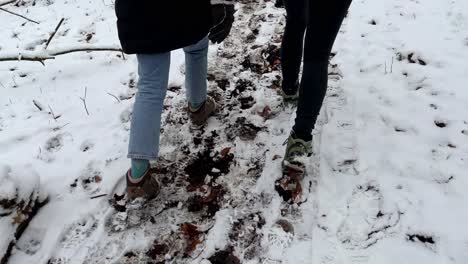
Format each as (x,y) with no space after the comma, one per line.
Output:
(44,55)
(2,3)
(53,34)
(80,49)
(15,14)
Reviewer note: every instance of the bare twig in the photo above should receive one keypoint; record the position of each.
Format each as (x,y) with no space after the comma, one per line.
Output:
(55,32)
(50,55)
(391,66)
(7,2)
(86,49)
(15,14)
(84,100)
(97,196)
(38,105)
(116,98)
(60,127)
(52,113)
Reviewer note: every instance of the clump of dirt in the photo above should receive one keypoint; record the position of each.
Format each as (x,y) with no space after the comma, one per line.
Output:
(411,58)
(276,83)
(272,56)
(241,86)
(174,88)
(242,129)
(244,230)
(224,257)
(289,188)
(222,84)
(246,102)
(420,238)
(157,251)
(286,226)
(247,64)
(192,236)
(206,164)
(418,60)
(210,202)
(440,123)
(268,59)
(7,204)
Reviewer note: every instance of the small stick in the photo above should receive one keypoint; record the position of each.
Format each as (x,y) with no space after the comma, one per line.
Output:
(84,100)
(116,98)
(55,32)
(13,13)
(52,113)
(38,105)
(98,196)
(60,127)
(391,66)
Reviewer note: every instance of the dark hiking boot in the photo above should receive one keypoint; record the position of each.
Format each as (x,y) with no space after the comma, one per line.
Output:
(200,116)
(146,187)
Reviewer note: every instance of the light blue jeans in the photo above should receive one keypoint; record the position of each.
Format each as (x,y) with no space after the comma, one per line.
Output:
(153,71)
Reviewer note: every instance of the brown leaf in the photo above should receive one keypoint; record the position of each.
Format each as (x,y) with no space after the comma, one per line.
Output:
(18,219)
(193,236)
(97,179)
(214,194)
(266,112)
(297,192)
(192,245)
(275,157)
(189,229)
(225,152)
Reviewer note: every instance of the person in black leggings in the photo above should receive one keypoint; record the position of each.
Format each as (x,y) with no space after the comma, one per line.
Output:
(320,20)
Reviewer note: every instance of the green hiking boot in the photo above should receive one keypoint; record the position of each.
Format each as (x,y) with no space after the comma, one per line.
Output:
(296,148)
(290,95)
(290,98)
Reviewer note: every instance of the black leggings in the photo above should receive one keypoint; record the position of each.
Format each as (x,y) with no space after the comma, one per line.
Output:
(322,20)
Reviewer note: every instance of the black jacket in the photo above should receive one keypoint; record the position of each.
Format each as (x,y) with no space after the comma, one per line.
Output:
(154,26)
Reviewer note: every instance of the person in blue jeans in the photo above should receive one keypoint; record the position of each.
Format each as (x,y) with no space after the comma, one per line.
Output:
(151,29)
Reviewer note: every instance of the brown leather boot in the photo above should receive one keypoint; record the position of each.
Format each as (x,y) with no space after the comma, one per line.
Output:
(200,116)
(146,187)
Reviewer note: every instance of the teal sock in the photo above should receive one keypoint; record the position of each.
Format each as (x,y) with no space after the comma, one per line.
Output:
(196,107)
(139,167)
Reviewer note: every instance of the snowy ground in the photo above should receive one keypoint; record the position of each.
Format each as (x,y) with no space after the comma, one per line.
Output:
(387,183)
